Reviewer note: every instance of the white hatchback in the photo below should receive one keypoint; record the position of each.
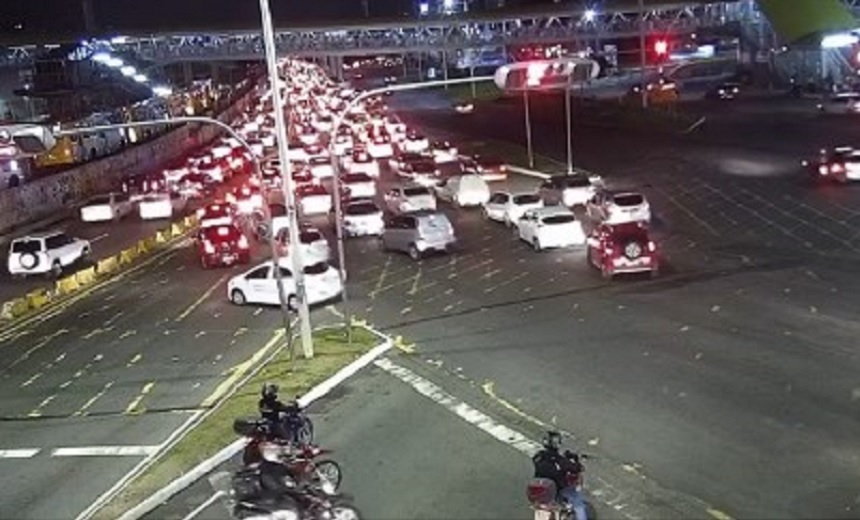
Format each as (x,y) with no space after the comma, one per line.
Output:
(103,208)
(509,207)
(618,207)
(405,199)
(552,226)
(259,284)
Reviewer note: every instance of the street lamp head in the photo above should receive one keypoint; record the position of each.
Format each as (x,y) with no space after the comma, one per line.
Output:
(101,57)
(114,62)
(140,78)
(589,15)
(128,71)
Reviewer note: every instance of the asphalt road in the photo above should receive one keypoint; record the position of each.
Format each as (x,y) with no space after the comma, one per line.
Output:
(713,390)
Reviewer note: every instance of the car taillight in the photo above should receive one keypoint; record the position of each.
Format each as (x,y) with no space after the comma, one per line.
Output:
(823,170)
(243,242)
(836,168)
(608,251)
(652,246)
(208,247)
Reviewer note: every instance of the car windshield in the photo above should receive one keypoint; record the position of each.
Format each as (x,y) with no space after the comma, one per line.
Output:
(221,234)
(318,268)
(361,208)
(416,192)
(309,236)
(529,198)
(319,160)
(356,177)
(211,211)
(424,167)
(305,191)
(576,181)
(26,246)
(434,222)
(100,200)
(629,199)
(278,210)
(489,161)
(559,219)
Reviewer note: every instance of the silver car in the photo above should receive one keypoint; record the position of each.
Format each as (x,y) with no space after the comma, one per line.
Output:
(418,233)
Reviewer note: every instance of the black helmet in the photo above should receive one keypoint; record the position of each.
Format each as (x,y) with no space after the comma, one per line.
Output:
(552,440)
(270,391)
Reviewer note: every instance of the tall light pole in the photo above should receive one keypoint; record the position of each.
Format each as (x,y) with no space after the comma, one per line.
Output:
(258,171)
(287,180)
(529,150)
(642,56)
(568,124)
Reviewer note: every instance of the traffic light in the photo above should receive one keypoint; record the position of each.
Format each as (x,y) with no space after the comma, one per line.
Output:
(30,139)
(552,74)
(661,48)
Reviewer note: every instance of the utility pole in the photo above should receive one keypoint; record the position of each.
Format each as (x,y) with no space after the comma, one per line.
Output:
(89,17)
(642,55)
(365,4)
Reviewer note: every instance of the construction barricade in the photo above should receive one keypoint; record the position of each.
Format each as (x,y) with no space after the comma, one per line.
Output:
(66,285)
(38,298)
(107,265)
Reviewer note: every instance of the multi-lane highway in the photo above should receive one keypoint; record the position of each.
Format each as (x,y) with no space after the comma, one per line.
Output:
(725,387)
(700,392)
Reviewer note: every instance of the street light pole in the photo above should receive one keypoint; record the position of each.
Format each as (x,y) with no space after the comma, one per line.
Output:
(286,180)
(258,171)
(529,150)
(568,117)
(643,87)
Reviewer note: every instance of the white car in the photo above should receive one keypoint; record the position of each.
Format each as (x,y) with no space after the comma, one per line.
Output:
(213,170)
(618,207)
(444,152)
(569,190)
(173,176)
(112,206)
(464,108)
(509,207)
(343,144)
(246,199)
(395,127)
(422,173)
(221,150)
(313,199)
(45,253)
(464,190)
(296,152)
(415,143)
(551,226)
(380,147)
(362,218)
(405,199)
(309,136)
(259,284)
(359,185)
(160,206)
(216,215)
(362,162)
(323,124)
(314,248)
(321,167)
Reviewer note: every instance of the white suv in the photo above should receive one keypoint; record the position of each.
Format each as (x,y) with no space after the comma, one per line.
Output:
(46,253)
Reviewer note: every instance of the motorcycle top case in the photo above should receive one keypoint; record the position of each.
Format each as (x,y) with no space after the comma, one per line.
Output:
(247,426)
(541,491)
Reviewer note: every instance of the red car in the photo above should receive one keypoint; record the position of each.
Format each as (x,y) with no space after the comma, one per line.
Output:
(623,248)
(222,246)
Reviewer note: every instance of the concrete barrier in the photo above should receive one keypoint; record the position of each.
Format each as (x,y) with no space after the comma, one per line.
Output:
(38,298)
(86,276)
(107,265)
(66,285)
(127,256)
(178,229)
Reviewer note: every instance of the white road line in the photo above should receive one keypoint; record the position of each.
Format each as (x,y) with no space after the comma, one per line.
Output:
(476,418)
(21,453)
(202,507)
(105,451)
(100,237)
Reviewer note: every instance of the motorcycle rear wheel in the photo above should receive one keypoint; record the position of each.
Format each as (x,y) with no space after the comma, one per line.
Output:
(327,471)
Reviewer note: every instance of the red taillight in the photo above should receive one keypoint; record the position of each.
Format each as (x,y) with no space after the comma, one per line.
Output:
(243,242)
(652,246)
(208,247)
(608,251)
(836,168)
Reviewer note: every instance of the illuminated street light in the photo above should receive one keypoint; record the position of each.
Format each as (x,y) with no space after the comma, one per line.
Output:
(140,78)
(114,62)
(128,71)
(101,57)
(162,91)
(590,15)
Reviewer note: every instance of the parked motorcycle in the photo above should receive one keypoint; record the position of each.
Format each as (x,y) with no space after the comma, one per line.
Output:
(543,493)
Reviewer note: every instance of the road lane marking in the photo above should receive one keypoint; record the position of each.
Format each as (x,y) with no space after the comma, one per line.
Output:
(42,342)
(241,369)
(96,331)
(690,214)
(137,357)
(717,514)
(82,411)
(113,318)
(476,418)
(405,310)
(202,507)
(417,279)
(98,238)
(127,334)
(37,411)
(482,263)
(20,453)
(134,406)
(32,380)
(105,451)
(381,279)
(191,308)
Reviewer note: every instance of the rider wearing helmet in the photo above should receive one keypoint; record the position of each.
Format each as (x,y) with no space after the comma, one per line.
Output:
(274,411)
(563,469)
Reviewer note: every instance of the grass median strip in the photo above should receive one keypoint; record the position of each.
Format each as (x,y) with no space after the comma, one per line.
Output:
(332,352)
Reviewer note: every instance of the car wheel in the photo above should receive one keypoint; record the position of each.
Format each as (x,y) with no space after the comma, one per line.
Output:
(238,297)
(414,253)
(536,244)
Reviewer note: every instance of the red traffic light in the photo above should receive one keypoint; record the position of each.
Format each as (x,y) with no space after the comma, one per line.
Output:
(661,47)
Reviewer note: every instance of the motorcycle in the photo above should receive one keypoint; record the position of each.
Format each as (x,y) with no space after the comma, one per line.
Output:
(543,495)
(304,464)
(296,425)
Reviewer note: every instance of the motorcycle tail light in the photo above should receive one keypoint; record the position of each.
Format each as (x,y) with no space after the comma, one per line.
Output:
(652,246)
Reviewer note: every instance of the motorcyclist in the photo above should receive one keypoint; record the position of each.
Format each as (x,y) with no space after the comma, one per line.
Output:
(281,416)
(562,468)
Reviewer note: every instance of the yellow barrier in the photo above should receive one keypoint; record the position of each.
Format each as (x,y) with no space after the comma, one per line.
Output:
(150,242)
(142,247)
(14,308)
(107,265)
(67,285)
(86,276)
(127,256)
(177,229)
(162,236)
(38,298)
(188,222)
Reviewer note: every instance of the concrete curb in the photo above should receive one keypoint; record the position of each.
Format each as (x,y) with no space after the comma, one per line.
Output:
(321,390)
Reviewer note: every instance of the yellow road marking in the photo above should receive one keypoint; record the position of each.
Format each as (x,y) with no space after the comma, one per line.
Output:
(42,342)
(128,334)
(415,282)
(719,515)
(32,380)
(405,310)
(490,390)
(381,279)
(92,400)
(96,331)
(133,407)
(404,347)
(240,331)
(135,359)
(239,371)
(200,300)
